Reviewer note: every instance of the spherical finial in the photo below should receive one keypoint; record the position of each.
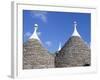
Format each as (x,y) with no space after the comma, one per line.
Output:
(36,25)
(75,23)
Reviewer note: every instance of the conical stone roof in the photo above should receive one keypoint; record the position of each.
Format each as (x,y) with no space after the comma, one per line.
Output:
(35,56)
(75,52)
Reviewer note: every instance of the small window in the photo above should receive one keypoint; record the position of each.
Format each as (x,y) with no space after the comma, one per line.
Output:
(86,65)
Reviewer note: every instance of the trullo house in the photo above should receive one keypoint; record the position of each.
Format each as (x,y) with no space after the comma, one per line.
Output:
(75,52)
(35,56)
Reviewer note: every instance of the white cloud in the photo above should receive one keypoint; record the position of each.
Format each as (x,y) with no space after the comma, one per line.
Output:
(39,33)
(40,15)
(27,34)
(48,43)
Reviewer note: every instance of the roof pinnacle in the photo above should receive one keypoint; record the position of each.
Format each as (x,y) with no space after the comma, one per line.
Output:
(75,32)
(34,35)
(59,46)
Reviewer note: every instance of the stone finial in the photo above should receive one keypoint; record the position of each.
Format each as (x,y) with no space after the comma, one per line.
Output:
(34,35)
(59,46)
(75,32)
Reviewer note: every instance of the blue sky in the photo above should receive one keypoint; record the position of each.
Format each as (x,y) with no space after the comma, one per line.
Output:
(55,27)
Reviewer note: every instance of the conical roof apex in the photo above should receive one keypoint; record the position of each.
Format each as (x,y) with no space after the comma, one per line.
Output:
(34,35)
(75,32)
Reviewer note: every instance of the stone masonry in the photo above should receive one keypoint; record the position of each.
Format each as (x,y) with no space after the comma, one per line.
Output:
(74,53)
(35,56)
